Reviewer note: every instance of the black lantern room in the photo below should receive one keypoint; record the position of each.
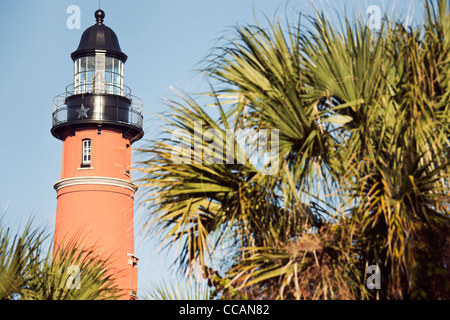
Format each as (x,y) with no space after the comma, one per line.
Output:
(98,96)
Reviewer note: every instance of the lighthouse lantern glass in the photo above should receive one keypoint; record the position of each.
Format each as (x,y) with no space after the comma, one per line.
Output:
(98,73)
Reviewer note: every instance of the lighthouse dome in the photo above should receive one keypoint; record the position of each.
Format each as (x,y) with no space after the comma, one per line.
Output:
(99,38)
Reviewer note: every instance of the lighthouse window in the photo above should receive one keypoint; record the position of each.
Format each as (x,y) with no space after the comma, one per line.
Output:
(90,71)
(90,60)
(98,73)
(108,74)
(86,152)
(99,77)
(114,76)
(80,75)
(116,66)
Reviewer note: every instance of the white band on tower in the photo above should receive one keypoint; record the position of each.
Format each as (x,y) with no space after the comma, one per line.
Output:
(95,181)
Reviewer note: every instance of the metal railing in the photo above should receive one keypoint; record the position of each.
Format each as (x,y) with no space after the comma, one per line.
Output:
(133,116)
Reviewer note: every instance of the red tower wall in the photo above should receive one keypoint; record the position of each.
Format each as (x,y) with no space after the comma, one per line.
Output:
(95,203)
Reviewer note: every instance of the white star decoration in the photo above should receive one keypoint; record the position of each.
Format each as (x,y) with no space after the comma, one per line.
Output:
(82,112)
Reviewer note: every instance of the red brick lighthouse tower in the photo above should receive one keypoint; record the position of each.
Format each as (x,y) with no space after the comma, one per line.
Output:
(98,119)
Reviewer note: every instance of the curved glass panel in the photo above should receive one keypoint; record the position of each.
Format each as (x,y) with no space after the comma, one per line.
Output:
(98,73)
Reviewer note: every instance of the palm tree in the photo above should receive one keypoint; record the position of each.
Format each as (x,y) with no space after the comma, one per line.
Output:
(30,270)
(177,289)
(363,134)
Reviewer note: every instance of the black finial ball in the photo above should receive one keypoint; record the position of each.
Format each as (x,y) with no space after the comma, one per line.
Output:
(99,16)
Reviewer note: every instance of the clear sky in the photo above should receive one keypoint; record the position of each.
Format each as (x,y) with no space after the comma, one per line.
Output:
(165,40)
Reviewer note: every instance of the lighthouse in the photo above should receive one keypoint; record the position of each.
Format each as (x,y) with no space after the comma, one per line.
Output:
(98,119)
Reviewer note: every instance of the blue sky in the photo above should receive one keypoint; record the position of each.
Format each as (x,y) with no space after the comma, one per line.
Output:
(165,40)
